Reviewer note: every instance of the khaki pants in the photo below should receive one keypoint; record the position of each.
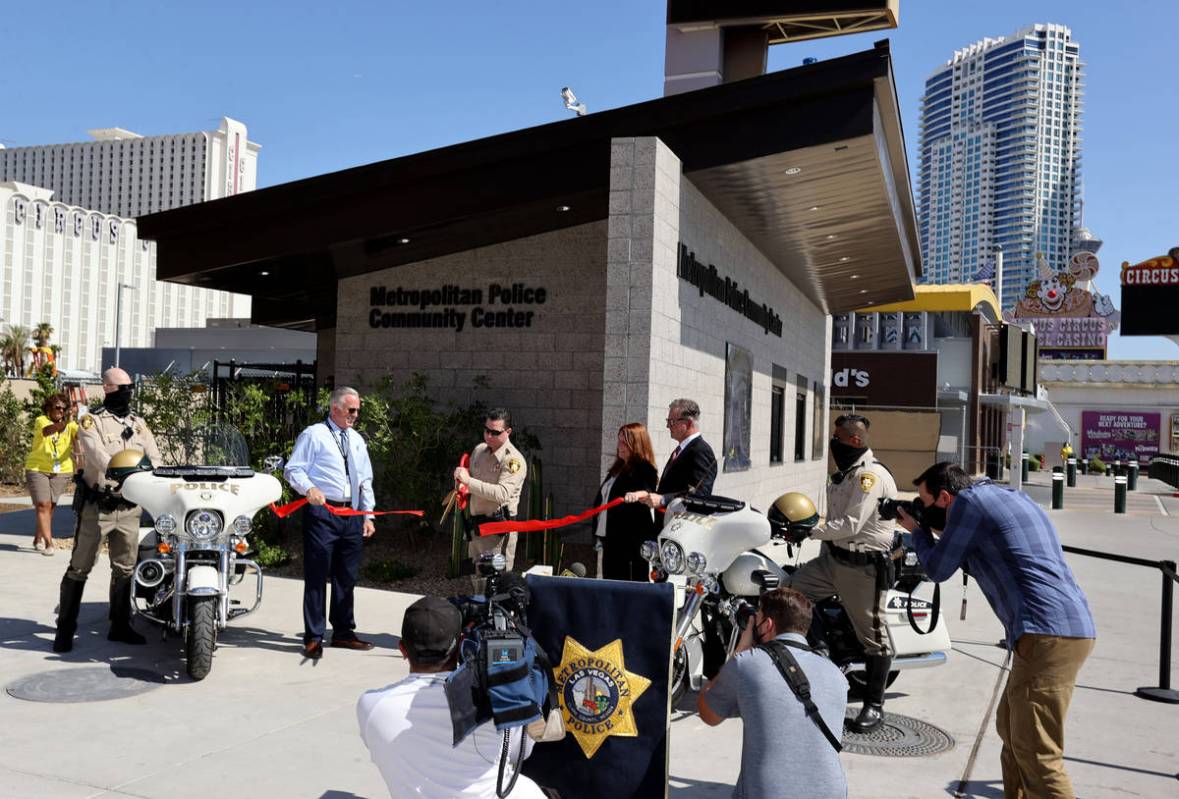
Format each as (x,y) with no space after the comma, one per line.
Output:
(824,576)
(120,528)
(1031,715)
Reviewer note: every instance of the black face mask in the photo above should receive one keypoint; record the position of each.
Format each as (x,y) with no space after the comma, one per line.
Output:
(933,517)
(845,455)
(118,401)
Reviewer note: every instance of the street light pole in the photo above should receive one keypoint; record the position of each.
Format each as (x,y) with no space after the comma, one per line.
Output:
(119,317)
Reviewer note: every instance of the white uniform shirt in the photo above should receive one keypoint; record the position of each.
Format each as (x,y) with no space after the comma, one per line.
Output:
(406,727)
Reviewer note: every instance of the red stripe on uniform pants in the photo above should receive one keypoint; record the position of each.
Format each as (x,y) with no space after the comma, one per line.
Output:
(283,511)
(496,528)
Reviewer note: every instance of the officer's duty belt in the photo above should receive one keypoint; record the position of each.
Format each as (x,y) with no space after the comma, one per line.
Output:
(865,558)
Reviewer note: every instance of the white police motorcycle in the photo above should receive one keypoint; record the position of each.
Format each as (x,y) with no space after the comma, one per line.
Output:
(197,550)
(721,555)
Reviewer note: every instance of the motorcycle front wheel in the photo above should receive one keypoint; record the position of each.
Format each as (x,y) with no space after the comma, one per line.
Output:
(679,675)
(201,637)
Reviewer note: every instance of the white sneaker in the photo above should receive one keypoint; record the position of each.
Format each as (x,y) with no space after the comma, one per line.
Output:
(49,550)
(38,545)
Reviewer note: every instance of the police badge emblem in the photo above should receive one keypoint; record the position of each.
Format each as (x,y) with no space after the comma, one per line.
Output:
(515,465)
(596,693)
(87,422)
(866,482)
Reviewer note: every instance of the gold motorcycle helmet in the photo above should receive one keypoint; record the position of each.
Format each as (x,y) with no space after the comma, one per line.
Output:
(793,510)
(127,462)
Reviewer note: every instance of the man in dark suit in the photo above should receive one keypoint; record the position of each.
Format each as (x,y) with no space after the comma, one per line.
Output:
(692,465)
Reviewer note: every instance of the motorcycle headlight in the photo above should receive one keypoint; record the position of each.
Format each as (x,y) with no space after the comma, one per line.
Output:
(165,524)
(672,555)
(242,525)
(648,551)
(697,563)
(203,525)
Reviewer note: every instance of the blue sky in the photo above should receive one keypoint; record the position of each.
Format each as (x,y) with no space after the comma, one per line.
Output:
(323,86)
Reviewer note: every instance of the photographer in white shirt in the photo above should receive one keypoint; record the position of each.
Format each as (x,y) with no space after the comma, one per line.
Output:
(407,725)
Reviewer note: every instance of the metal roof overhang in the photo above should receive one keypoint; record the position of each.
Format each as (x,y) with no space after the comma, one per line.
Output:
(847,211)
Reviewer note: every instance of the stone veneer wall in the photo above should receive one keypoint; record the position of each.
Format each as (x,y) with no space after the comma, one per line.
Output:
(663,340)
(548,375)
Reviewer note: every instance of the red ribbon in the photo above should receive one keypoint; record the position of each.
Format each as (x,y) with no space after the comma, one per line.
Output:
(464,493)
(283,511)
(495,528)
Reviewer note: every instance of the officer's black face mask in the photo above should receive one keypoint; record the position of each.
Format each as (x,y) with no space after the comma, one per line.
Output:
(845,455)
(118,401)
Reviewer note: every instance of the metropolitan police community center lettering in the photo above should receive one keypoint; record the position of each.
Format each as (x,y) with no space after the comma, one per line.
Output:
(445,301)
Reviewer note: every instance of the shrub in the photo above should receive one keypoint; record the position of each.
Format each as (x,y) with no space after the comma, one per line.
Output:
(269,556)
(16,436)
(387,571)
(1033,464)
(1097,465)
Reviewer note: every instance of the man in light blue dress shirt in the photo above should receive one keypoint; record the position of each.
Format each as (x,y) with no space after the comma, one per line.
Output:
(330,466)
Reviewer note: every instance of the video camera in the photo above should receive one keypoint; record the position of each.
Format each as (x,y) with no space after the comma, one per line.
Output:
(503,675)
(889,509)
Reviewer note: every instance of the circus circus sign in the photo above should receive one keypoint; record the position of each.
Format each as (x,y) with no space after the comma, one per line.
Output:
(1072,319)
(1160,271)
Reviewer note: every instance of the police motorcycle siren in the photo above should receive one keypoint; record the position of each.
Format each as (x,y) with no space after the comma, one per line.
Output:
(722,554)
(195,553)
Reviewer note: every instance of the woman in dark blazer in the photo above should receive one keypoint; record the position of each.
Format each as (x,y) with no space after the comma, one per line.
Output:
(623,529)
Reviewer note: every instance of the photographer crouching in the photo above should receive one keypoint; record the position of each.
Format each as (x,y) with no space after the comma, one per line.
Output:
(1008,544)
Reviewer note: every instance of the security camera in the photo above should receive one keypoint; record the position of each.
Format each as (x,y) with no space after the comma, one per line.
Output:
(571,102)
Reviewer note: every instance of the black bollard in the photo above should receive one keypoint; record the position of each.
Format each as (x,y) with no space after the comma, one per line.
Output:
(1120,493)
(1132,476)
(1084,466)
(1057,489)
(1071,473)
(1117,468)
(1024,468)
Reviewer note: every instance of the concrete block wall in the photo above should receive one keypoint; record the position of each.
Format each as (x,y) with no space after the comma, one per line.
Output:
(683,335)
(549,375)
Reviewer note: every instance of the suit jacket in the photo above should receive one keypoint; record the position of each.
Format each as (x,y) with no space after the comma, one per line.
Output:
(629,520)
(694,468)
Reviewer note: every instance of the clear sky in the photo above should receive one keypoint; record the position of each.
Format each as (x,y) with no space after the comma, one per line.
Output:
(327,85)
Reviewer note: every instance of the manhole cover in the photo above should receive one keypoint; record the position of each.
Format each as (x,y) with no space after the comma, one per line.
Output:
(88,684)
(897,736)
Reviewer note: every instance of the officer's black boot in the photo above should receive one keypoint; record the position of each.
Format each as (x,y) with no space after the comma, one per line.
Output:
(121,629)
(875,676)
(67,614)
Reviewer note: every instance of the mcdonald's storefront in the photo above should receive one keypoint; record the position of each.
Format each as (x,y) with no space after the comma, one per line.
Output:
(594,269)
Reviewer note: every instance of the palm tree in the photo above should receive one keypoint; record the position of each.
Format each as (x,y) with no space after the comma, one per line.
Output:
(13,347)
(42,333)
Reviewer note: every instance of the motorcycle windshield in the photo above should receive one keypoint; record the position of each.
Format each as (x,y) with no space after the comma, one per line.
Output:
(214,444)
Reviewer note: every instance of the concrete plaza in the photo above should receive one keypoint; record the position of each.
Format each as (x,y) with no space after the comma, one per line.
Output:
(267,723)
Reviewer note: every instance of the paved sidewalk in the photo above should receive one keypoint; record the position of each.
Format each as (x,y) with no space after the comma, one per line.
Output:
(265,723)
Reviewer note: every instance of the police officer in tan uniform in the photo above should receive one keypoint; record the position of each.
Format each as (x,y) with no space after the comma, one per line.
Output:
(111,436)
(495,480)
(858,555)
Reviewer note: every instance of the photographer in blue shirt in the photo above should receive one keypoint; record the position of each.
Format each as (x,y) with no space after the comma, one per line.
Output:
(1006,542)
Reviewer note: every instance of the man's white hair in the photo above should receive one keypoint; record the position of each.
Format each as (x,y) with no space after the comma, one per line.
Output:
(337,398)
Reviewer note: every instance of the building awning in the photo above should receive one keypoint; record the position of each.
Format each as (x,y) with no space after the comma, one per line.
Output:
(808,163)
(964,297)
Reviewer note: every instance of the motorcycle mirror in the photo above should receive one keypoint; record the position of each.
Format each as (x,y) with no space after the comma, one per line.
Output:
(272,464)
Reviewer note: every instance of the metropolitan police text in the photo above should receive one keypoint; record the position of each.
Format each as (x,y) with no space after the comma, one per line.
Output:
(438,307)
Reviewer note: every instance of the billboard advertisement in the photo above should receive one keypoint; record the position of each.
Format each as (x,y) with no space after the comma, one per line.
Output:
(1120,435)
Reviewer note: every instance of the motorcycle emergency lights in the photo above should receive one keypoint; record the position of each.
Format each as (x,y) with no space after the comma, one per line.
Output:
(241,525)
(166,524)
(203,525)
(672,555)
(697,563)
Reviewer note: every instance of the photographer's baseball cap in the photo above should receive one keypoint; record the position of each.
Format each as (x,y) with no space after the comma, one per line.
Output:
(430,629)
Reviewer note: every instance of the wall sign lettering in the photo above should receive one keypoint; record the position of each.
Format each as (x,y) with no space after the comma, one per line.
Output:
(708,280)
(445,306)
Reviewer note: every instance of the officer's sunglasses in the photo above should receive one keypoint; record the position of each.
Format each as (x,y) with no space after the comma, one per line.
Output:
(493,433)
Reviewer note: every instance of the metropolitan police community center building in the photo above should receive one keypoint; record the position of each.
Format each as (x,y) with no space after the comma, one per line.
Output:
(596,268)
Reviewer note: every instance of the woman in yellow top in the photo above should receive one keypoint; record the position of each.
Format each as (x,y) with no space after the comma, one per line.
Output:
(50,465)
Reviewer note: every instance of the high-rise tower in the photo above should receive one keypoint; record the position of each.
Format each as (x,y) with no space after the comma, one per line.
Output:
(1000,158)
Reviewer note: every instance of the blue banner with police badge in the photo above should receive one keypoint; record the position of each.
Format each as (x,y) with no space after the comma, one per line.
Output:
(610,646)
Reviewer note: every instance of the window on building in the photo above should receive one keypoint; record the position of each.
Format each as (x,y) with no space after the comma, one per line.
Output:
(778,416)
(800,436)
